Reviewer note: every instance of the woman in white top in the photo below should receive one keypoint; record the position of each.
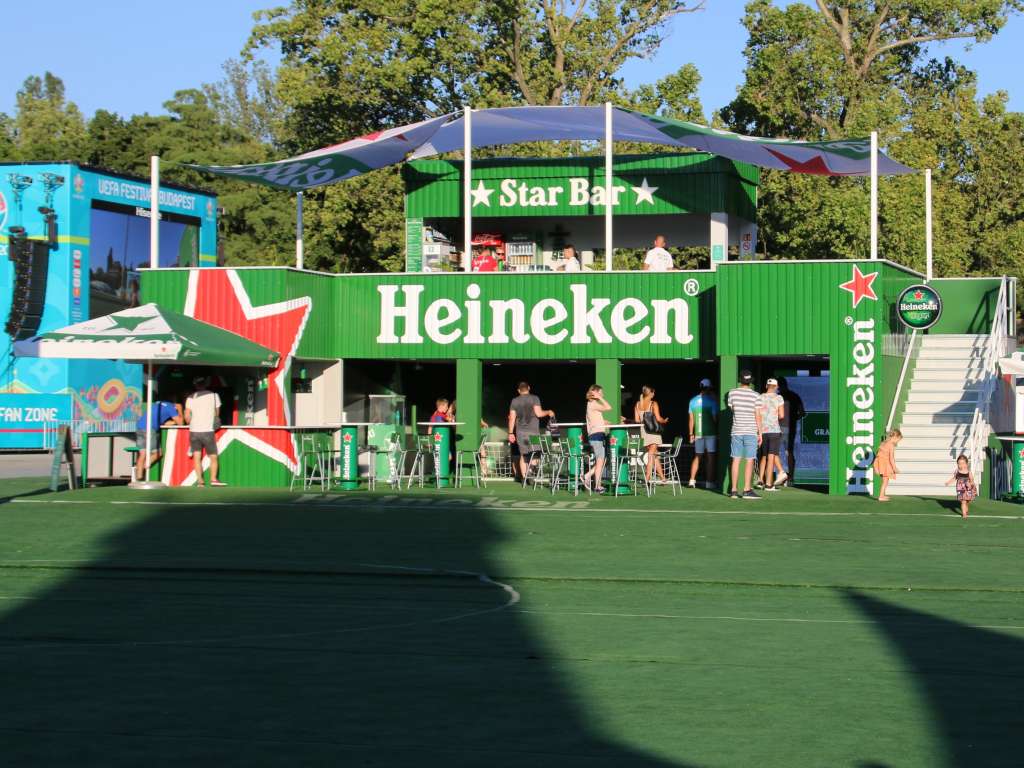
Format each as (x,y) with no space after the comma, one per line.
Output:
(570,261)
(647,404)
(596,427)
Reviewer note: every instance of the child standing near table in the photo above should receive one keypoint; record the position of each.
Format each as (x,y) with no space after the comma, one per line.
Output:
(885,461)
(966,488)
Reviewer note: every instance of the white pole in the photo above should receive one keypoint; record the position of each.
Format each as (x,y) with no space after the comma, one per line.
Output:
(874,194)
(154,211)
(149,422)
(609,192)
(467,198)
(928,224)
(298,232)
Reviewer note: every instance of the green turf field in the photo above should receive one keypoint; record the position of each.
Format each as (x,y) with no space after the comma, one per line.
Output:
(507,628)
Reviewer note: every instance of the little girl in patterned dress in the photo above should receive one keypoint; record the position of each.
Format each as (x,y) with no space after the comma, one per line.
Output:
(966,488)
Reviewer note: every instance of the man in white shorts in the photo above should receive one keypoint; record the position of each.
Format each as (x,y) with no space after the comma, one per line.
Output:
(704,433)
(658,259)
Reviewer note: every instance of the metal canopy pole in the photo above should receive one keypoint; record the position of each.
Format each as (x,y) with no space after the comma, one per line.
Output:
(299,254)
(154,263)
(874,194)
(609,196)
(928,224)
(467,197)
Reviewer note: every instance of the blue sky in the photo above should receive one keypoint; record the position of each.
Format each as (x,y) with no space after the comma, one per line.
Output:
(113,55)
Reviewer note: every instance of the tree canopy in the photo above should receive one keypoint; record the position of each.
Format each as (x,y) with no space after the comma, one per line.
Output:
(814,70)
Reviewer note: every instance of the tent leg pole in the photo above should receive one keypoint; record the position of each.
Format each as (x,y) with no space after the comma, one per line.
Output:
(874,194)
(609,191)
(467,198)
(146,483)
(154,211)
(928,224)
(299,252)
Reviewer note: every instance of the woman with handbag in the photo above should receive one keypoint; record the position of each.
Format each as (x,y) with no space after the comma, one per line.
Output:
(647,413)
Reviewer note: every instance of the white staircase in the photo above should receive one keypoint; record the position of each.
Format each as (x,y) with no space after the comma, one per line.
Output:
(947,384)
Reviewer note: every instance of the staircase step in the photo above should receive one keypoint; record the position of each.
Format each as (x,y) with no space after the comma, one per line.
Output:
(931,419)
(935,408)
(933,456)
(943,384)
(921,490)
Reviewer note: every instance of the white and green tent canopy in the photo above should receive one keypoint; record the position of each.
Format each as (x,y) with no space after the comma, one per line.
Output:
(149,334)
(516,125)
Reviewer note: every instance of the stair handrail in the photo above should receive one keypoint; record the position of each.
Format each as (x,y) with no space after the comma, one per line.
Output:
(899,384)
(993,350)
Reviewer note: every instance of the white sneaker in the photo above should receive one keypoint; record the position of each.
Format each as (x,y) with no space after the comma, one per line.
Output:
(692,484)
(780,479)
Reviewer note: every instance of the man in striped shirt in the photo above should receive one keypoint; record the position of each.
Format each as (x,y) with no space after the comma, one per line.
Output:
(746,433)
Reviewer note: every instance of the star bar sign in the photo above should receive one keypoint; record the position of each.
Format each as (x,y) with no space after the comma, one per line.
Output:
(859,286)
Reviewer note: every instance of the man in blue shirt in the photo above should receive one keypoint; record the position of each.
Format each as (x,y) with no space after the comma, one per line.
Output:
(704,433)
(164,412)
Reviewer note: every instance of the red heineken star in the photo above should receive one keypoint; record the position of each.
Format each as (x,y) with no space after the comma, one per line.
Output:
(348,437)
(918,295)
(859,286)
(218,297)
(437,437)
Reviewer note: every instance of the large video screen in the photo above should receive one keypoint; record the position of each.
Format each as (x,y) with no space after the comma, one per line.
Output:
(119,246)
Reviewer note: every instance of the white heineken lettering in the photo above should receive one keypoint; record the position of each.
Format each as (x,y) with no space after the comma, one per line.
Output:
(539,324)
(588,320)
(861,385)
(681,331)
(474,331)
(625,315)
(439,315)
(500,309)
(389,313)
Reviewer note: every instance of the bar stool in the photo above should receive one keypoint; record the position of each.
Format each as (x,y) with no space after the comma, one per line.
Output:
(564,472)
(311,466)
(477,460)
(424,450)
(669,459)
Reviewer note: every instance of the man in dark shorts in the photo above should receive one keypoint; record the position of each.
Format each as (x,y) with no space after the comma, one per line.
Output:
(771,405)
(201,415)
(524,415)
(164,412)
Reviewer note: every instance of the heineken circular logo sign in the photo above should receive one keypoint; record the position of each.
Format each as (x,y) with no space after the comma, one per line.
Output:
(919,307)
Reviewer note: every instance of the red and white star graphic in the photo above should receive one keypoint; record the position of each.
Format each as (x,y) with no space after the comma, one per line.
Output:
(918,295)
(859,286)
(217,296)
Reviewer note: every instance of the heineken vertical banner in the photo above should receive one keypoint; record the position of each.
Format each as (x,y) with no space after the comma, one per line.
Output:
(518,125)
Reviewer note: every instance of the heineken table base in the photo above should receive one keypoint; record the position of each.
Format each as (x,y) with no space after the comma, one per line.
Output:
(443,437)
(348,456)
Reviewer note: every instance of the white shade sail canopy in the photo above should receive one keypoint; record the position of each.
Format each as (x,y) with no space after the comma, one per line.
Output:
(517,125)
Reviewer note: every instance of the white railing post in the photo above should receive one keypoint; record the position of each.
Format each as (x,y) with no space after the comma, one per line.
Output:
(903,375)
(990,360)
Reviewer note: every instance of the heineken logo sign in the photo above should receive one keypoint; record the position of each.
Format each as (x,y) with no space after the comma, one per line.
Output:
(584,318)
(919,307)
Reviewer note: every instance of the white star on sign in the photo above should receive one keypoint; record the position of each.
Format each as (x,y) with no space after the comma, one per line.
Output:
(481,196)
(645,193)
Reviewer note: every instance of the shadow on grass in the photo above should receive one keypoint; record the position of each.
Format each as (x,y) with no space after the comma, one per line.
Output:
(970,677)
(299,635)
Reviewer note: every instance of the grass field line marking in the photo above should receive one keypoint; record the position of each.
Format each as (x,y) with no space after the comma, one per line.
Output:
(512,598)
(688,617)
(526,506)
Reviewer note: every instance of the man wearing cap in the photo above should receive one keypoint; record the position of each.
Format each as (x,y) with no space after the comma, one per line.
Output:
(703,433)
(201,410)
(746,433)
(772,408)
